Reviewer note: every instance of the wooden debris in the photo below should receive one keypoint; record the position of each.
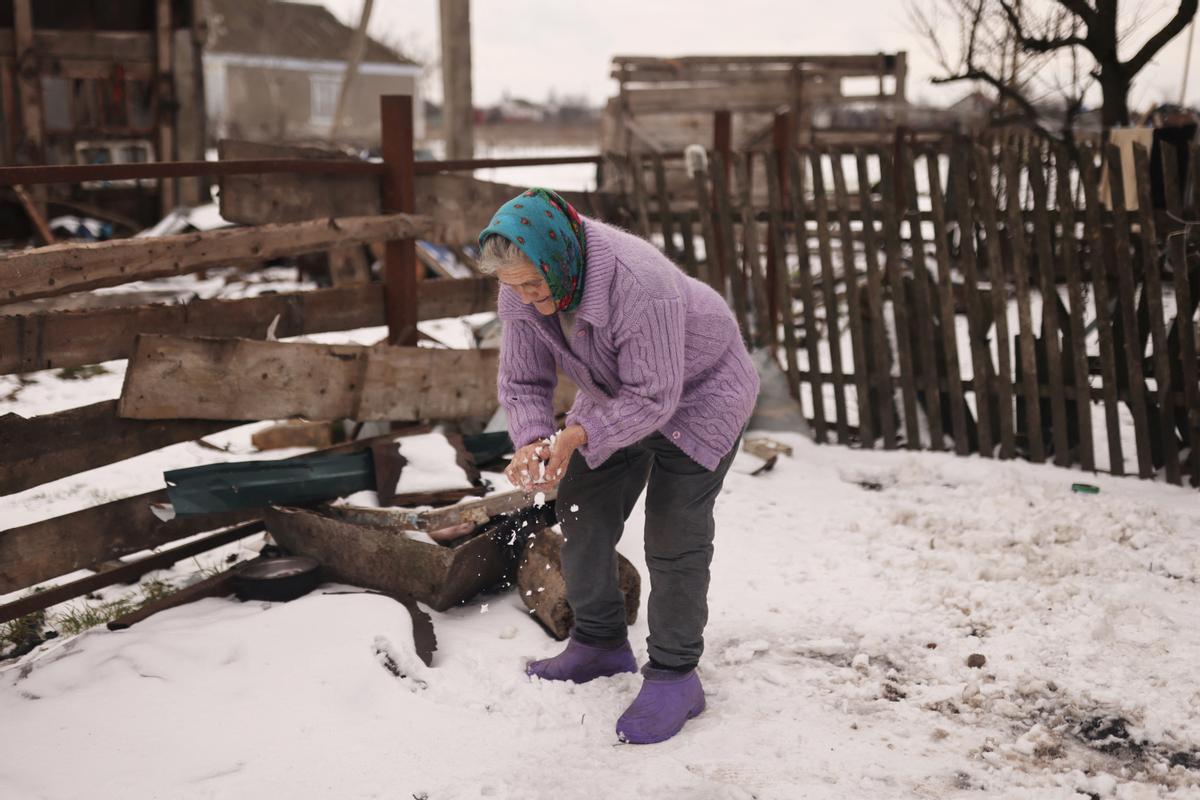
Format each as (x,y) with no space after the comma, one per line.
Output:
(544,591)
(218,585)
(765,448)
(241,379)
(62,268)
(383,557)
(296,433)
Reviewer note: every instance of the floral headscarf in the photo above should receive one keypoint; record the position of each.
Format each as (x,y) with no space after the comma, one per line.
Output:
(550,234)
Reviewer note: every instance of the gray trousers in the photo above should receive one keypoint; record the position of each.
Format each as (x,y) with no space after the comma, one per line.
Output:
(679,544)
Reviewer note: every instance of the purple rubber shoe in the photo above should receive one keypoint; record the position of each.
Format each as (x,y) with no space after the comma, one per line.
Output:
(584,662)
(667,700)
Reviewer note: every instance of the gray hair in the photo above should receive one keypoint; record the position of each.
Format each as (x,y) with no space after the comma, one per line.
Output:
(498,252)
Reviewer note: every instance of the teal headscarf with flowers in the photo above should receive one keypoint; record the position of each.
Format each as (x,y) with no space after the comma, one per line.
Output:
(550,234)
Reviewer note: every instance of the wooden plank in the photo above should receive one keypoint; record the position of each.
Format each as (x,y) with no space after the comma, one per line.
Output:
(132,47)
(218,585)
(1126,290)
(893,200)
(60,339)
(781,287)
(637,179)
(1101,256)
(981,359)
(763,93)
(829,288)
(689,244)
(43,550)
(985,199)
(1020,273)
(164,99)
(275,198)
(922,305)
(1185,330)
(665,217)
(736,291)
(958,419)
(881,376)
(1050,324)
(812,334)
(28,72)
(751,252)
(44,448)
(1153,295)
(132,571)
(707,269)
(1078,349)
(866,428)
(242,379)
(63,268)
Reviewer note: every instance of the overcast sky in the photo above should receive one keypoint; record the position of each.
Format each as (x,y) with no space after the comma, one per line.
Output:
(530,47)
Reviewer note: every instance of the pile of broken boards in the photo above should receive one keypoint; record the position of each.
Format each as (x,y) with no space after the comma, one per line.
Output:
(405,513)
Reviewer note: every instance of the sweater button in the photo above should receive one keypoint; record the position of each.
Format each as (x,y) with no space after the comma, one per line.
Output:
(675,435)
(578,333)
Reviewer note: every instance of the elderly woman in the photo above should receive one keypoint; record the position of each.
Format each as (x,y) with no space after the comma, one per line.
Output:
(665,388)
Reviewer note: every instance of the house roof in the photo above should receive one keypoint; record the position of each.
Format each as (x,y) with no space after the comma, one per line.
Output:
(289,30)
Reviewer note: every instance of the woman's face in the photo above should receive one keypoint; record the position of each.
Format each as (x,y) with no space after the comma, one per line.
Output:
(527,281)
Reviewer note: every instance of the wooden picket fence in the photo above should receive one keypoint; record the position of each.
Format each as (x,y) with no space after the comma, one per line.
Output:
(904,289)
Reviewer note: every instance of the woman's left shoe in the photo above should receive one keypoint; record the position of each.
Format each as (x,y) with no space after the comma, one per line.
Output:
(667,700)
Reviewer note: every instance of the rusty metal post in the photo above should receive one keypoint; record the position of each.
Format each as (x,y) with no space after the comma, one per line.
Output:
(400,255)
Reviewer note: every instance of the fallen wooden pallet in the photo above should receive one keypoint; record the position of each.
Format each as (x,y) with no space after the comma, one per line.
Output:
(171,377)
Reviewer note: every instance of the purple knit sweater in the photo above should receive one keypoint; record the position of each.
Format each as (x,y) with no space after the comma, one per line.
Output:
(653,350)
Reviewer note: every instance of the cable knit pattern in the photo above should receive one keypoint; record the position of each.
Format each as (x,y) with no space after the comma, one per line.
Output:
(653,350)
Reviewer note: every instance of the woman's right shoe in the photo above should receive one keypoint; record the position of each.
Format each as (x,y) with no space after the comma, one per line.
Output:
(581,662)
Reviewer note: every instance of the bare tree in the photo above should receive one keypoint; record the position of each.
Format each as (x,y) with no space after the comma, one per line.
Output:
(1028,55)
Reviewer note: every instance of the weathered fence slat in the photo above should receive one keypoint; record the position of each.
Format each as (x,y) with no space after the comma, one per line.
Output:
(1126,288)
(829,286)
(689,244)
(60,339)
(41,449)
(736,291)
(1102,255)
(1185,330)
(64,268)
(866,429)
(707,270)
(1027,363)
(923,306)
(751,252)
(1152,293)
(1050,326)
(782,286)
(880,379)
(811,332)
(665,218)
(637,176)
(958,410)
(893,203)
(985,197)
(1078,348)
(981,360)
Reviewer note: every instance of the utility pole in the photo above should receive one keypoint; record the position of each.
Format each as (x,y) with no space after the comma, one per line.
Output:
(358,46)
(458,112)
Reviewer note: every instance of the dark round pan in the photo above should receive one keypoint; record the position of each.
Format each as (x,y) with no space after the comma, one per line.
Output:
(277,579)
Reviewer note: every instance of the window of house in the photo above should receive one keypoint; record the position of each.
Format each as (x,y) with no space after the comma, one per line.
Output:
(325,90)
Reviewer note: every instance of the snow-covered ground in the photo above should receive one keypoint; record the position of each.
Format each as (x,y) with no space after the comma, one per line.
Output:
(849,589)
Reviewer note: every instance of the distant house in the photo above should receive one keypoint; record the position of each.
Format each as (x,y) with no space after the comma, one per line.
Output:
(514,109)
(273,71)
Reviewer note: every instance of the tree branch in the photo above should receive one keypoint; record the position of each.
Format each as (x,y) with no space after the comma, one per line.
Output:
(1004,90)
(1183,15)
(1080,9)
(1037,44)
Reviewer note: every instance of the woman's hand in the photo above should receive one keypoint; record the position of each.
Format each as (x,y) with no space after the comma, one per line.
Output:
(527,465)
(570,439)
